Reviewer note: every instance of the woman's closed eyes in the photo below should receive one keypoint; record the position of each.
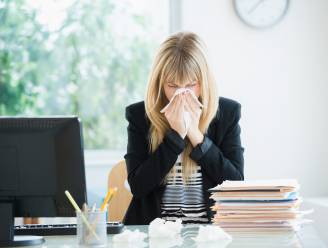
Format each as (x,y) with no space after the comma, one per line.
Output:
(189,86)
(173,86)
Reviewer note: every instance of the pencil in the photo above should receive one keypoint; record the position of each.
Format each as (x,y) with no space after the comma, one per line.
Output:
(77,209)
(111,192)
(114,192)
(108,197)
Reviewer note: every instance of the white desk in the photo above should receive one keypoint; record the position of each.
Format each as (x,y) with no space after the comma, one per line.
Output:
(306,237)
(311,235)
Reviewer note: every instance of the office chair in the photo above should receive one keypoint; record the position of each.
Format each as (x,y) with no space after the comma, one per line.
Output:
(120,202)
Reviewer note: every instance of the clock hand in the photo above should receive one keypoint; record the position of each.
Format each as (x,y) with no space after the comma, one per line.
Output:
(255,6)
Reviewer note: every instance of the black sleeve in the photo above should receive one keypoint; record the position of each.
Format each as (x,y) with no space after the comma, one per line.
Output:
(146,170)
(226,163)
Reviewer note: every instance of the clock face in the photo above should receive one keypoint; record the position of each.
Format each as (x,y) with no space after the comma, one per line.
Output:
(261,13)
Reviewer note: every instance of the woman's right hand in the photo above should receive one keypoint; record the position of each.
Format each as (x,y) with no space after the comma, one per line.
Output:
(174,115)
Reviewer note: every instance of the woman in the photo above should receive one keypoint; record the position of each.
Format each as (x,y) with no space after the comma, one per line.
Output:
(175,155)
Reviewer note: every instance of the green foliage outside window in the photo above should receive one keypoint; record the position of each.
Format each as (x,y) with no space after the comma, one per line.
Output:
(92,66)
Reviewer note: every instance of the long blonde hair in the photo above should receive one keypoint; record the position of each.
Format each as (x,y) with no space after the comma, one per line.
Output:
(180,58)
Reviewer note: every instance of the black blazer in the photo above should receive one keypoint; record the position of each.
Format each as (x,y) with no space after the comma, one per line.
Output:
(220,156)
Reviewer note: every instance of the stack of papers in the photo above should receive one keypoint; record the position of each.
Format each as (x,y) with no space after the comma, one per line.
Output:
(258,205)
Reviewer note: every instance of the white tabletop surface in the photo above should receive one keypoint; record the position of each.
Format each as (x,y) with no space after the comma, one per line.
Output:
(310,235)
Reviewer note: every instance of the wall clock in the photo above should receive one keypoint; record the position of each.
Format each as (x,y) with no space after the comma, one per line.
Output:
(261,13)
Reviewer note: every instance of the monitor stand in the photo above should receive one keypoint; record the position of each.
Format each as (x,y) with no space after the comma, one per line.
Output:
(7,238)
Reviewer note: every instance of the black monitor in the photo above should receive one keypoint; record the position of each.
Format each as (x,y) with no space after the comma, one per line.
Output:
(40,158)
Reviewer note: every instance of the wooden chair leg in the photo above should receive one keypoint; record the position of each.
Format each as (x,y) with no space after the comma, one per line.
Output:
(31,220)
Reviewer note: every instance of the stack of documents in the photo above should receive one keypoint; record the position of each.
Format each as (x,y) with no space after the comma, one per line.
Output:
(261,205)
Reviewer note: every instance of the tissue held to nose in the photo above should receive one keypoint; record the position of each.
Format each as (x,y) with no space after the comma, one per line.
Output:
(186,114)
(180,91)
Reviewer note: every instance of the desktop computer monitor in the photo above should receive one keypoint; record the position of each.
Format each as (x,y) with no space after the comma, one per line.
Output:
(40,158)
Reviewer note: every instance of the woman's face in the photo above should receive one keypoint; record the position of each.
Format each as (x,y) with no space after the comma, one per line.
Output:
(171,87)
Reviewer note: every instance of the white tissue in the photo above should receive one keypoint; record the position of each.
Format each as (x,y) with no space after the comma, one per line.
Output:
(186,114)
(211,233)
(160,228)
(128,236)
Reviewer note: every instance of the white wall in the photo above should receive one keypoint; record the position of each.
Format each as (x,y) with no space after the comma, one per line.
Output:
(280,76)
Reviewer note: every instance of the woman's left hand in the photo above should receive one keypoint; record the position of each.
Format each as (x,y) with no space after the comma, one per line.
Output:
(194,134)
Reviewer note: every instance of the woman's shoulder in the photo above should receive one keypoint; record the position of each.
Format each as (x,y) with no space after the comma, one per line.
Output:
(135,113)
(228,104)
(228,108)
(136,108)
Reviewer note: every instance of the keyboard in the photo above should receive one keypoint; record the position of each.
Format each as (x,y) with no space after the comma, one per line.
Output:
(60,229)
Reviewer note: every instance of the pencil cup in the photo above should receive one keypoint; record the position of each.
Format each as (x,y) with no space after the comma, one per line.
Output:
(91,228)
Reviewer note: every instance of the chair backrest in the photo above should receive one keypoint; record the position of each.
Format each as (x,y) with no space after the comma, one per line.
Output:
(120,202)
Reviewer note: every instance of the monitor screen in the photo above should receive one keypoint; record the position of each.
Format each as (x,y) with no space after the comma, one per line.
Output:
(40,158)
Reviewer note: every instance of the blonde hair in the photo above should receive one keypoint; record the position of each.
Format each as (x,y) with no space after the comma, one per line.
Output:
(180,58)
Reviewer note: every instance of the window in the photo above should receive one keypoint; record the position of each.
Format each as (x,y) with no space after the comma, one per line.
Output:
(85,58)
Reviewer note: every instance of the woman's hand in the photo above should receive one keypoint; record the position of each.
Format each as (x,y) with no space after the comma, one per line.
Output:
(194,134)
(174,115)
